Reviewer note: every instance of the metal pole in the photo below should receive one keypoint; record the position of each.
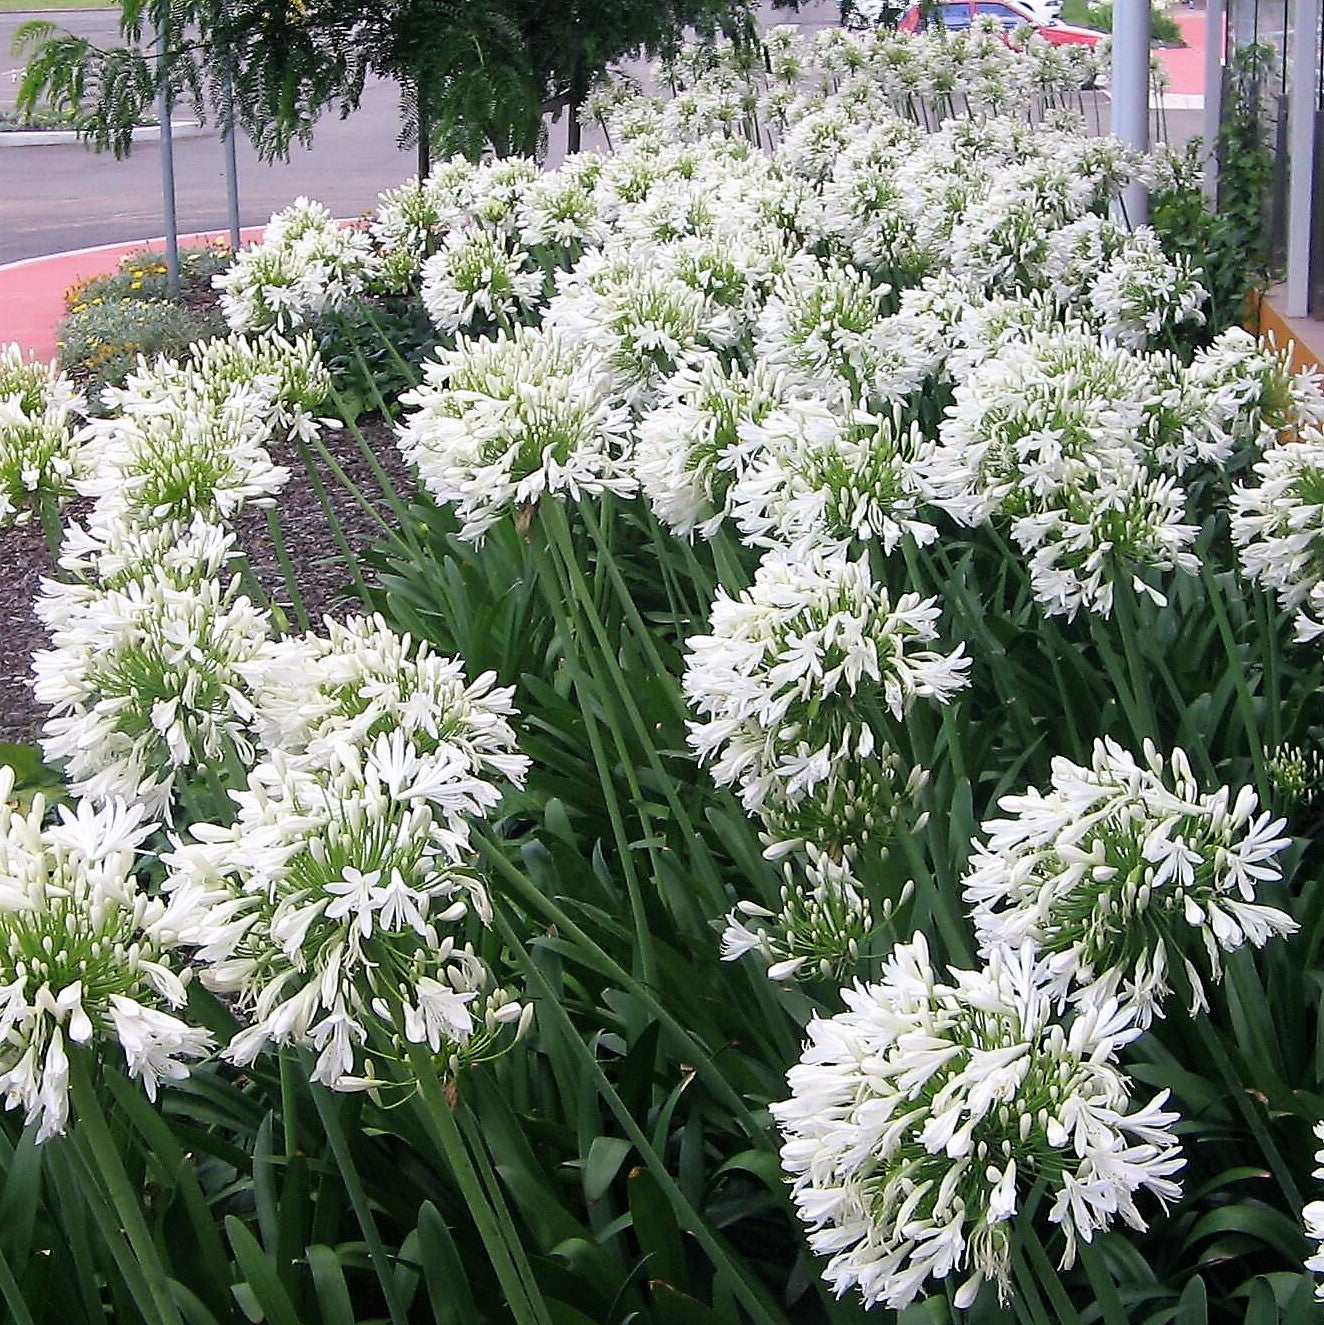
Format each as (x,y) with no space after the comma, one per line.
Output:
(1214,17)
(227,138)
(1304,50)
(231,165)
(167,150)
(1130,92)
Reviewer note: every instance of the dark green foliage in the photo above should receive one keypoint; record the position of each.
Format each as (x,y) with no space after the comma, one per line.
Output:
(1232,241)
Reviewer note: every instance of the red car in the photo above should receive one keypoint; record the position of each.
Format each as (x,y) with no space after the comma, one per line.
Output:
(957,15)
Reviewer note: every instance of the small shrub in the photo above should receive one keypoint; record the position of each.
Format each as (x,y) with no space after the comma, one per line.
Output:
(1163,28)
(101,341)
(143,276)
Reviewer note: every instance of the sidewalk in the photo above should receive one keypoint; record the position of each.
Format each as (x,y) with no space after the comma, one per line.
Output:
(32,291)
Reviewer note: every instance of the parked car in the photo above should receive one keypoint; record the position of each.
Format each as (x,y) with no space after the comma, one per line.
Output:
(956,15)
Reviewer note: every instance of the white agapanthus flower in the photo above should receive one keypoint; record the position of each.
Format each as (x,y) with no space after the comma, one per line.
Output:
(1313,1218)
(40,439)
(921,1116)
(699,439)
(498,424)
(1123,871)
(98,559)
(1042,415)
(820,477)
(825,327)
(477,279)
(822,923)
(1120,522)
(360,678)
(338,896)
(1141,292)
(306,264)
(1278,527)
(498,191)
(642,319)
(89,960)
(561,212)
(187,450)
(1254,390)
(781,683)
(280,384)
(145,687)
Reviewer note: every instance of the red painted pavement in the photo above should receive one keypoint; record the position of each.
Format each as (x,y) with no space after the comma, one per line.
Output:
(1185,64)
(32,291)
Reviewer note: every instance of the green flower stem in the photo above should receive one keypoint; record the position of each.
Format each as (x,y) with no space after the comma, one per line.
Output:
(358,1198)
(287,570)
(1101,1281)
(499,1237)
(289,1111)
(555,578)
(643,635)
(13,1295)
(1237,667)
(752,1295)
(695,1052)
(52,526)
(1235,1084)
(611,681)
(102,1155)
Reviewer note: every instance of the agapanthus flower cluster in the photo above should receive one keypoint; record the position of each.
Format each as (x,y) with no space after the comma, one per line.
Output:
(1278,527)
(642,319)
(187,449)
(1127,877)
(823,922)
(477,278)
(145,684)
(921,1117)
(40,438)
(1313,1218)
(801,671)
(89,960)
(699,439)
(499,424)
(817,477)
(339,893)
(306,264)
(1055,434)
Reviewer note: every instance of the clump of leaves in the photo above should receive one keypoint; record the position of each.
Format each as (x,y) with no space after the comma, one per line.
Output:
(374,349)
(100,342)
(142,275)
(1233,241)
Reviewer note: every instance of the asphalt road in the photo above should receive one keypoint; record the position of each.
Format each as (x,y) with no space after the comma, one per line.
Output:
(65,197)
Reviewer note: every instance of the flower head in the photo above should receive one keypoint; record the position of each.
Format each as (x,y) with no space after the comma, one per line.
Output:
(920,1116)
(497,424)
(1122,869)
(87,956)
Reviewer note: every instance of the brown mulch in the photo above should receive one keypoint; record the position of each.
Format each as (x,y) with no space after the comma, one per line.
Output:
(325,582)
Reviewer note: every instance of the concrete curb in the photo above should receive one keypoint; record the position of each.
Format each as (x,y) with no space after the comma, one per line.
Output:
(147,133)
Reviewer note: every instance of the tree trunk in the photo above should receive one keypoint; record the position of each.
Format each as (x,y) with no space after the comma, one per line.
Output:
(424,130)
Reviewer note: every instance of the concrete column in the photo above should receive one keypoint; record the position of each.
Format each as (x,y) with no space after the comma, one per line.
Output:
(1215,16)
(1130,91)
(1303,53)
